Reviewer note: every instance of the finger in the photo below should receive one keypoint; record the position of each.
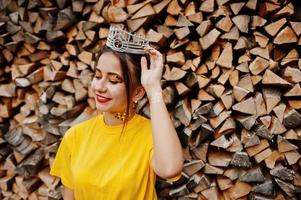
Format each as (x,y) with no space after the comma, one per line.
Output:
(154,54)
(151,50)
(143,63)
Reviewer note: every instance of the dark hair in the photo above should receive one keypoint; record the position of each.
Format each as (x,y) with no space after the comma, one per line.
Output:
(131,71)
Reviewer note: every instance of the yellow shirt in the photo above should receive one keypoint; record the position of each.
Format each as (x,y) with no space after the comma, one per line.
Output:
(96,162)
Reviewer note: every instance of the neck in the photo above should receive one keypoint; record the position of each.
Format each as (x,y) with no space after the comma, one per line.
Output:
(111,120)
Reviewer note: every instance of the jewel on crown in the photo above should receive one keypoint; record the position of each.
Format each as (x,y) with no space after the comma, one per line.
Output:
(123,41)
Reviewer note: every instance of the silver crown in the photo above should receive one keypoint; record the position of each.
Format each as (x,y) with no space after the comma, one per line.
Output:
(123,41)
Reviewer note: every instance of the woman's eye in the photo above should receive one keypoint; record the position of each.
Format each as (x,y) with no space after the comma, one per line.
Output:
(114,79)
(97,76)
(114,82)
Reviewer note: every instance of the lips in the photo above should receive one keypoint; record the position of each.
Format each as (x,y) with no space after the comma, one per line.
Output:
(102,99)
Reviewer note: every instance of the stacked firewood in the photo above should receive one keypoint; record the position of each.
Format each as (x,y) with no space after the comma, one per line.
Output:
(231,83)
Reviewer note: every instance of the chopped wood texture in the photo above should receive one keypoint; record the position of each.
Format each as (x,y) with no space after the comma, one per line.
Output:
(231,81)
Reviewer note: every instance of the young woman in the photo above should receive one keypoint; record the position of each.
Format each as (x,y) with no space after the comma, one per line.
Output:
(117,154)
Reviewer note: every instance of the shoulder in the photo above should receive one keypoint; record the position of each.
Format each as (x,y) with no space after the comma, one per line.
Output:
(74,130)
(143,118)
(144,121)
(145,128)
(85,124)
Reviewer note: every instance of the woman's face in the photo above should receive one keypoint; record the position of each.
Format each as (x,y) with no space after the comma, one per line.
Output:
(108,84)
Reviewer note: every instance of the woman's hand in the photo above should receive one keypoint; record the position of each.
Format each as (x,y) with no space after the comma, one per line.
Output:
(151,78)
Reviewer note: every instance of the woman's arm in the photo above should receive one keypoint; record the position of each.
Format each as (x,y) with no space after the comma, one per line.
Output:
(68,193)
(168,158)
(168,155)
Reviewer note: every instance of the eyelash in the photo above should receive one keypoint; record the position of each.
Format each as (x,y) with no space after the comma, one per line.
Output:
(113,82)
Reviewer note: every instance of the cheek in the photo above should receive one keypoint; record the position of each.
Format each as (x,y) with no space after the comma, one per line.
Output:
(118,91)
(93,84)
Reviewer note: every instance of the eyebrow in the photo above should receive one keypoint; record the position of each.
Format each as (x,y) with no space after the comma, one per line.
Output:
(110,73)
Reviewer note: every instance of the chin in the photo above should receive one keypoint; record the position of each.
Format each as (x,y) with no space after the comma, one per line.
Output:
(102,108)
(109,108)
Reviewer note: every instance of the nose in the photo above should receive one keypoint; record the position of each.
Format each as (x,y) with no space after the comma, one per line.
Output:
(100,85)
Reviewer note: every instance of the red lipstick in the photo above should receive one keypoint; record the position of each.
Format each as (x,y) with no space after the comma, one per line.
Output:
(102,99)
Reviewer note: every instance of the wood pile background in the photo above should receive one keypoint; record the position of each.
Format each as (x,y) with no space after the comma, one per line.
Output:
(231,82)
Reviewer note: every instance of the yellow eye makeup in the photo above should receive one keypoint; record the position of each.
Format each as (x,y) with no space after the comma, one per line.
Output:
(98,74)
(113,77)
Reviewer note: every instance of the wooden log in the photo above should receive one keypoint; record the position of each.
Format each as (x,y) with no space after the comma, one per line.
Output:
(179,191)
(279,111)
(261,39)
(174,73)
(242,22)
(276,127)
(226,57)
(285,146)
(257,21)
(273,28)
(207,6)
(236,7)
(286,10)
(209,39)
(177,57)
(253,175)
(292,75)
(248,106)
(225,24)
(246,121)
(235,65)
(271,97)
(241,159)
(258,65)
(174,8)
(114,14)
(296,27)
(290,57)
(240,189)
(216,121)
(263,155)
(215,89)
(156,37)
(292,119)
(209,169)
(31,164)
(145,11)
(252,141)
(201,151)
(287,35)
(289,189)
(292,157)
(193,167)
(203,182)
(255,149)
(234,173)
(211,193)
(224,183)
(65,19)
(161,5)
(236,145)
(219,159)
(267,188)
(260,105)
(242,43)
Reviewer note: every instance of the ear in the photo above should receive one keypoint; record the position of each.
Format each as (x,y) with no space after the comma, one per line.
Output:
(138,93)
